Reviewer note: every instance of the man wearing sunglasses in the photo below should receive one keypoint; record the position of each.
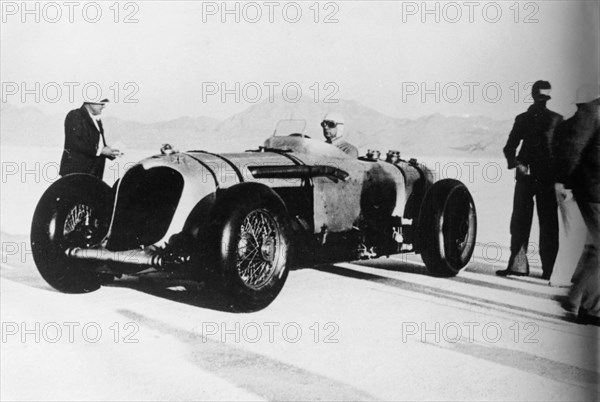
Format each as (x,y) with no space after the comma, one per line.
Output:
(333,131)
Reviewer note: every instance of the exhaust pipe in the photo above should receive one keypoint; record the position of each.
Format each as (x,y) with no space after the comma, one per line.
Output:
(133,257)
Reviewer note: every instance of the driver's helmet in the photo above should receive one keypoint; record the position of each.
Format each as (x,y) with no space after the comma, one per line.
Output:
(337,120)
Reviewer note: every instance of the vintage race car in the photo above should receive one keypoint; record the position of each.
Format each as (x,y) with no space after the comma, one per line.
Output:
(240,221)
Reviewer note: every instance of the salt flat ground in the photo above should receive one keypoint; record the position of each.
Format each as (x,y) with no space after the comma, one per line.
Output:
(374,330)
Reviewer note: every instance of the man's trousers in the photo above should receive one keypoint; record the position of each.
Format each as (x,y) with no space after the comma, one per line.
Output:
(526,189)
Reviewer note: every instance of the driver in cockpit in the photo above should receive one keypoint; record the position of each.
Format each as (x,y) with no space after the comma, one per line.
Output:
(333,131)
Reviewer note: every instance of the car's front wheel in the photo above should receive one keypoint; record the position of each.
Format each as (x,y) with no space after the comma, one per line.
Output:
(447,227)
(73,212)
(253,248)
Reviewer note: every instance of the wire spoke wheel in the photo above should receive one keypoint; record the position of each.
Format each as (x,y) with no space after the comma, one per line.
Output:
(81,227)
(251,233)
(73,212)
(258,248)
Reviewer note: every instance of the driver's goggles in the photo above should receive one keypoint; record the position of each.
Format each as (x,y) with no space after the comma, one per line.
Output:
(329,124)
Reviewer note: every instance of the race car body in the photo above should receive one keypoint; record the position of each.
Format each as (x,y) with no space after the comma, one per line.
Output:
(240,221)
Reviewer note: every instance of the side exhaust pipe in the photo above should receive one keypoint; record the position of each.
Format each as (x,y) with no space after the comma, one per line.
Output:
(134,257)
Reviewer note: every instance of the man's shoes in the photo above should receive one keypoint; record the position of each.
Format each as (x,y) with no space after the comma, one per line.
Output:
(507,272)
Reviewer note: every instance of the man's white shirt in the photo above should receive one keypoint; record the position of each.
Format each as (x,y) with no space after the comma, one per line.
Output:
(100,142)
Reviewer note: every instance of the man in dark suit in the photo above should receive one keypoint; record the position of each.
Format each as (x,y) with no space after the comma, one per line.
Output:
(85,149)
(534,131)
(578,168)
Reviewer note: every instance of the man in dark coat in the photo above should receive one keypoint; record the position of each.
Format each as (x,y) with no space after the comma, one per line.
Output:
(578,168)
(85,149)
(534,130)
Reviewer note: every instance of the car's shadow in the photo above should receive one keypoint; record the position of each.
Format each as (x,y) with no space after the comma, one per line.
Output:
(380,271)
(193,293)
(19,267)
(199,294)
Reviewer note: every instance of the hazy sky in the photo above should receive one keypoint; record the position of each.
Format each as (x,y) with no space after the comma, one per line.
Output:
(477,58)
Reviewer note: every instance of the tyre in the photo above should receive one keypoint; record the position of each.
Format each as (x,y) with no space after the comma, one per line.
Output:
(73,212)
(447,227)
(252,241)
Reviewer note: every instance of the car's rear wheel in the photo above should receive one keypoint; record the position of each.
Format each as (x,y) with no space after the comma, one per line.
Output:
(73,212)
(252,260)
(447,227)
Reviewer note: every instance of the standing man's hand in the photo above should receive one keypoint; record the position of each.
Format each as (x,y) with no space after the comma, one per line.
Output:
(110,153)
(522,170)
(562,193)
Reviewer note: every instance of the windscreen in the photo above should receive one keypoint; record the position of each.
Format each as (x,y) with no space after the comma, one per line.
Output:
(288,127)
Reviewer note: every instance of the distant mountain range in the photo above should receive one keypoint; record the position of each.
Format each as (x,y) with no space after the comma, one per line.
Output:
(366,128)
